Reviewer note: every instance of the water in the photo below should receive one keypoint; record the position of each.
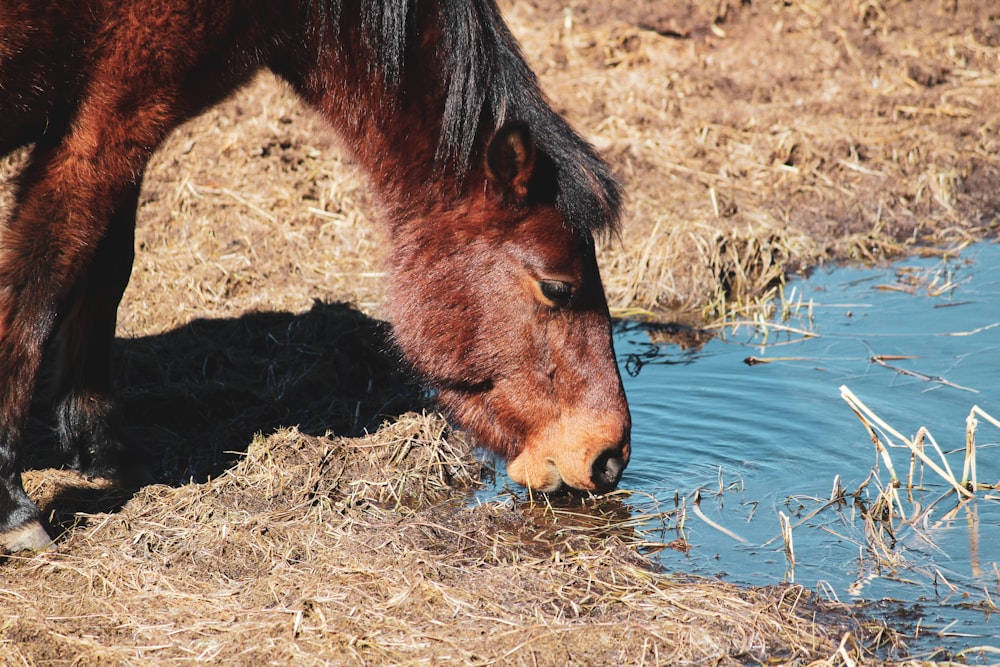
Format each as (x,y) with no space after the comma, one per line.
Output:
(756,440)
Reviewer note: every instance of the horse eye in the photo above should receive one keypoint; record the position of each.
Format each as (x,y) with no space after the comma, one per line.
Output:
(556,291)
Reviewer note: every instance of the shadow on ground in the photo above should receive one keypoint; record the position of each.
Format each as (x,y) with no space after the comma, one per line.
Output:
(194,397)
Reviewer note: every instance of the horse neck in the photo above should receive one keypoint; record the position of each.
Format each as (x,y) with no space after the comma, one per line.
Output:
(392,128)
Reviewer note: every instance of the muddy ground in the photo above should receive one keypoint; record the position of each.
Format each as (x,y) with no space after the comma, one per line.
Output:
(755,139)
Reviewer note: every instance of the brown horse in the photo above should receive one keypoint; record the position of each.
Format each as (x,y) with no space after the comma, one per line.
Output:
(490,199)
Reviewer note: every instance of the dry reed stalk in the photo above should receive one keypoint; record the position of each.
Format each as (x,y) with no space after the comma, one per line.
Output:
(880,518)
(786,534)
(883,519)
(869,419)
(696,508)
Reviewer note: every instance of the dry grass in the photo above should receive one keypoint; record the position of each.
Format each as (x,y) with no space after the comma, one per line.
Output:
(323,550)
(754,140)
(776,135)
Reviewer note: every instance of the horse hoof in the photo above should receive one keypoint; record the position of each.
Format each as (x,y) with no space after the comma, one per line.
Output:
(31,536)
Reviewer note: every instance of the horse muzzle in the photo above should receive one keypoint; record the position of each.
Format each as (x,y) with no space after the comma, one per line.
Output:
(586,453)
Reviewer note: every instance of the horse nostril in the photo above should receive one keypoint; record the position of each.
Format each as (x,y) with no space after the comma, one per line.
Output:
(607,469)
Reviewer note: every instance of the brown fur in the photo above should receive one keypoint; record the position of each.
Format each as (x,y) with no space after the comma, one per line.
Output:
(97,86)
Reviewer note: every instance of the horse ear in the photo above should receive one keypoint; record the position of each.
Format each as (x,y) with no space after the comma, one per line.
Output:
(510,160)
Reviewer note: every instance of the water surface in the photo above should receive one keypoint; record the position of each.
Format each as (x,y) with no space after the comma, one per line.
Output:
(756,440)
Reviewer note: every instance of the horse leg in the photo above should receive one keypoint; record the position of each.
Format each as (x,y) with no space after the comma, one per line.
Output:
(30,264)
(73,202)
(87,416)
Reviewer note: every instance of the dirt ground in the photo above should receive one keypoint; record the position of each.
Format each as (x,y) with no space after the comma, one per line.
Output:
(755,139)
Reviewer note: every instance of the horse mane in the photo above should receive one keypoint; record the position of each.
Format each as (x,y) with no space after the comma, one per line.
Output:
(487,84)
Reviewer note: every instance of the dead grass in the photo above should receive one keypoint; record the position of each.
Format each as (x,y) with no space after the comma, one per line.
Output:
(757,139)
(325,550)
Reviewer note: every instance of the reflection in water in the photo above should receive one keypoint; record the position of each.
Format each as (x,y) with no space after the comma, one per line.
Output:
(549,524)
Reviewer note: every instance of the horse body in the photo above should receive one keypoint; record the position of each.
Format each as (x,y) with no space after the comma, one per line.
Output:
(490,199)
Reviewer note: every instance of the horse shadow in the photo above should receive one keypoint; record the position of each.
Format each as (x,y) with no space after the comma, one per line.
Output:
(193,398)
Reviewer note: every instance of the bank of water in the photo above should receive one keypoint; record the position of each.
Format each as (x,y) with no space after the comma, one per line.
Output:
(919,344)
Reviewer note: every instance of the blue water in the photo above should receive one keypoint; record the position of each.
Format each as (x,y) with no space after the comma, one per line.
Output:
(758,439)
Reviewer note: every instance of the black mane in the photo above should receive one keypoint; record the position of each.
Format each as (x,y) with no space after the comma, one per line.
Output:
(489,83)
